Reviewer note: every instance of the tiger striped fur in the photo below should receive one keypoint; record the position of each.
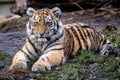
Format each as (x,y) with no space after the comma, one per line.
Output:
(52,43)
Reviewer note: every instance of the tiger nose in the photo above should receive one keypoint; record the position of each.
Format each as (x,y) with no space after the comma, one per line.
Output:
(40,30)
(41,34)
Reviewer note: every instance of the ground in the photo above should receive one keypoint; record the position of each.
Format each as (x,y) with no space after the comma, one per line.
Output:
(86,66)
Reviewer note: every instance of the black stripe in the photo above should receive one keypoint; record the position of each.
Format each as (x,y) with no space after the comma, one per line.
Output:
(43,59)
(48,58)
(89,36)
(29,25)
(57,26)
(76,35)
(86,26)
(85,33)
(88,33)
(85,41)
(54,40)
(54,26)
(36,51)
(58,37)
(92,39)
(55,11)
(67,51)
(104,42)
(30,52)
(25,54)
(92,34)
(54,45)
(81,36)
(55,49)
(71,41)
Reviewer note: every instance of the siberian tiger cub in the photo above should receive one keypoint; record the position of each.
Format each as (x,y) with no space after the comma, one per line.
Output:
(50,43)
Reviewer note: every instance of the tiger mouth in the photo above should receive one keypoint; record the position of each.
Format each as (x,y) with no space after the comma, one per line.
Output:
(43,39)
(46,36)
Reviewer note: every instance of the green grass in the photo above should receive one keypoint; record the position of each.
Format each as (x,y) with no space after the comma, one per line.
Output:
(114,38)
(3,56)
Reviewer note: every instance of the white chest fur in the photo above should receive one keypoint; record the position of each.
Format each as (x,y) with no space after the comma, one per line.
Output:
(40,45)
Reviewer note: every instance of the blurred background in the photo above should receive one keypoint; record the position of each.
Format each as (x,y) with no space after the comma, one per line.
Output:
(19,6)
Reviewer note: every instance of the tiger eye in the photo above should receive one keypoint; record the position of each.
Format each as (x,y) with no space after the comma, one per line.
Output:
(48,23)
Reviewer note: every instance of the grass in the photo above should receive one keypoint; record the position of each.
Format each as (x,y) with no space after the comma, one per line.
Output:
(114,38)
(3,56)
(88,66)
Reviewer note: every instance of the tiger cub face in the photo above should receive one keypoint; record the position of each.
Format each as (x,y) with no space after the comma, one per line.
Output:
(42,23)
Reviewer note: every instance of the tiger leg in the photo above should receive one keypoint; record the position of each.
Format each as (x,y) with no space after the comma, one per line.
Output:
(46,61)
(19,61)
(106,48)
(25,54)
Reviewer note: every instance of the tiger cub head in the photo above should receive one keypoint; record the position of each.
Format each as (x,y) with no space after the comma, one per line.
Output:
(43,23)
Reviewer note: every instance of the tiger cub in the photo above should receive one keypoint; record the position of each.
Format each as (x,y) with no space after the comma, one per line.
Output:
(50,43)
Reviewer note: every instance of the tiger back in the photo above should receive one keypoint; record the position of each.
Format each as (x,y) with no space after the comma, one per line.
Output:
(82,37)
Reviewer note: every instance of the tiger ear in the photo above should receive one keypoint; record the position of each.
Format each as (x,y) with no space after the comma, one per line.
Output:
(57,12)
(30,11)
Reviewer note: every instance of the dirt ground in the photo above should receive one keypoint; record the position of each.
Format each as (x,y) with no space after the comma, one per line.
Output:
(13,34)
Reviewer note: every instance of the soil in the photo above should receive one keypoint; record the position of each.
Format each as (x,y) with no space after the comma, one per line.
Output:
(13,34)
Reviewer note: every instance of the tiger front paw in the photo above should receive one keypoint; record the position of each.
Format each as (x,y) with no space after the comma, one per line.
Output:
(18,65)
(41,65)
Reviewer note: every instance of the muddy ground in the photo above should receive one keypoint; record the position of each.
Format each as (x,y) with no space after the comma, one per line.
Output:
(13,34)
